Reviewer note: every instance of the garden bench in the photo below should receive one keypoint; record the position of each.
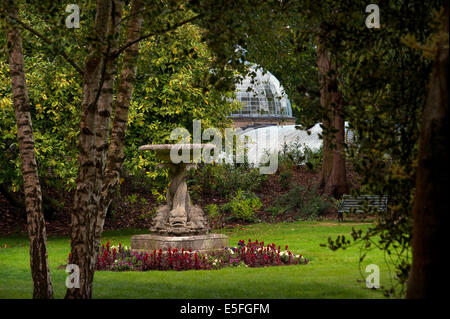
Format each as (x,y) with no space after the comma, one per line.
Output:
(356,204)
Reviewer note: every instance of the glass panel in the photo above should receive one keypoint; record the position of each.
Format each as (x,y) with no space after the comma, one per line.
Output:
(264,96)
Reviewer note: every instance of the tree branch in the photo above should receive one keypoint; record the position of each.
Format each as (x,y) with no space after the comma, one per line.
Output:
(148,35)
(49,42)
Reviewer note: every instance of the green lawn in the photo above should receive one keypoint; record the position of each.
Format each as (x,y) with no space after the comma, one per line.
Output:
(328,275)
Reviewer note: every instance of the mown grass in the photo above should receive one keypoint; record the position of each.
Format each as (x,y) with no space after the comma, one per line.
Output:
(330,274)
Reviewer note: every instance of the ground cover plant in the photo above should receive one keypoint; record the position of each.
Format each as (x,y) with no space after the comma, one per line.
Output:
(328,274)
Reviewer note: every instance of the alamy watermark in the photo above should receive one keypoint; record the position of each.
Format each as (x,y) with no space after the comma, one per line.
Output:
(259,147)
(373,280)
(73,279)
(73,19)
(373,19)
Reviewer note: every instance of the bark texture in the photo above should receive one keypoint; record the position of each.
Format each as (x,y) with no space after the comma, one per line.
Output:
(103,125)
(87,196)
(432,179)
(323,64)
(33,197)
(333,176)
(337,185)
(100,161)
(121,107)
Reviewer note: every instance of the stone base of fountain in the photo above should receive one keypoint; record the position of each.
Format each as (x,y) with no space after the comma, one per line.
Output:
(201,243)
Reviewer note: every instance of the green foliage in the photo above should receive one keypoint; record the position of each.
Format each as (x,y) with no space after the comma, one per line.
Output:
(298,154)
(54,98)
(383,83)
(212,210)
(132,199)
(306,204)
(169,92)
(313,158)
(225,179)
(215,215)
(285,179)
(315,206)
(243,206)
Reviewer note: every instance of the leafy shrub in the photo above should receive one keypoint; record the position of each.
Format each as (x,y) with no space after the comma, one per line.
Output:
(213,210)
(215,216)
(298,154)
(285,179)
(132,198)
(224,180)
(315,206)
(313,159)
(289,202)
(307,203)
(291,154)
(243,206)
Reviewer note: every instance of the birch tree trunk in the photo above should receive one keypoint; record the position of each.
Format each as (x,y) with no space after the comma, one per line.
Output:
(87,196)
(120,122)
(103,126)
(99,168)
(432,178)
(40,270)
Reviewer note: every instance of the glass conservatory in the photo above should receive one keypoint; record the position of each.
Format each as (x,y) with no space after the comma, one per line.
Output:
(261,96)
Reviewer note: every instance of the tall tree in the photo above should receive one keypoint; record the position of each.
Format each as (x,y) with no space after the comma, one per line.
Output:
(285,46)
(33,197)
(385,84)
(101,151)
(432,178)
(97,71)
(336,183)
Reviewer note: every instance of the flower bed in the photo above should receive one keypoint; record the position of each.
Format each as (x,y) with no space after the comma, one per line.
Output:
(250,254)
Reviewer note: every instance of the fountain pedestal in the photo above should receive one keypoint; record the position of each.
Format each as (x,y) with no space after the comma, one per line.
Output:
(178,223)
(201,243)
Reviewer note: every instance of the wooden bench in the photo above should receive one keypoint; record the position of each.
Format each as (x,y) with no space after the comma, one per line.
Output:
(361,203)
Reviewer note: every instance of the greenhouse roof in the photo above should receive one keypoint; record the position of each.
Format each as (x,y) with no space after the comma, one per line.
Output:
(260,94)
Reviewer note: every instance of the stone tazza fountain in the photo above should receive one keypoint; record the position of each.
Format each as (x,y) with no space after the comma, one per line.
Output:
(178,223)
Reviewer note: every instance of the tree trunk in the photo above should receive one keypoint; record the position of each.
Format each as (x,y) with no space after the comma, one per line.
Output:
(40,270)
(120,122)
(98,182)
(87,196)
(333,176)
(432,179)
(105,107)
(337,183)
(323,64)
